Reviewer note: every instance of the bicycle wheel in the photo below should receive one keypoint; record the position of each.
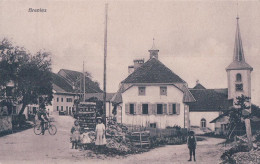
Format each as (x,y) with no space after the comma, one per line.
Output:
(37,129)
(52,129)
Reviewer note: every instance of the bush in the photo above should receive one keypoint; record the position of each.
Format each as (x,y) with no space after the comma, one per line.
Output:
(177,127)
(227,155)
(18,119)
(212,134)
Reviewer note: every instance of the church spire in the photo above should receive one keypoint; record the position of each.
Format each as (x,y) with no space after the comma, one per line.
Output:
(238,48)
(238,56)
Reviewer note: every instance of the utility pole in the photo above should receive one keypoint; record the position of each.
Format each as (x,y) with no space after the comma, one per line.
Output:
(105,58)
(84,85)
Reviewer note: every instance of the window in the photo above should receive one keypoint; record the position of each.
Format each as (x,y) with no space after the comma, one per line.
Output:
(9,91)
(57,99)
(34,110)
(144,108)
(159,108)
(132,108)
(239,87)
(57,108)
(163,90)
(238,77)
(153,125)
(174,111)
(141,91)
(61,108)
(224,127)
(203,123)
(69,99)
(61,99)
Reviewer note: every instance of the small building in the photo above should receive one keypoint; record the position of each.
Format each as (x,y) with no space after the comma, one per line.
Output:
(210,103)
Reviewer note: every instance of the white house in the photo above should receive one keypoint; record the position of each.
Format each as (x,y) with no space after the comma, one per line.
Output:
(153,96)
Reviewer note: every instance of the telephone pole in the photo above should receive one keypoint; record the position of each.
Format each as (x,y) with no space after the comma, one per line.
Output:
(84,85)
(105,58)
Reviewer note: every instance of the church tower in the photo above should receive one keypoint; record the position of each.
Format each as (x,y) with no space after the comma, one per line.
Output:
(239,72)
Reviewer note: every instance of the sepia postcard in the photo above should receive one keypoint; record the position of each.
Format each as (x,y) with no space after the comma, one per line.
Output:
(129,81)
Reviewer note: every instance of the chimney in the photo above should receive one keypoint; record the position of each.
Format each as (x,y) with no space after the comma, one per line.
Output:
(138,63)
(130,69)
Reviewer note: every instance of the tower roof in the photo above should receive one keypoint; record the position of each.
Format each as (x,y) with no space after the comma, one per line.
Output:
(153,47)
(238,56)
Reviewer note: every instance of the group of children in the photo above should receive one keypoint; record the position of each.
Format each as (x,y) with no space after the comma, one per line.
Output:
(80,138)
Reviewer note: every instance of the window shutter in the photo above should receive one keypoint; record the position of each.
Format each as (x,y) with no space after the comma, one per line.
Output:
(150,109)
(164,108)
(127,106)
(177,108)
(139,109)
(170,109)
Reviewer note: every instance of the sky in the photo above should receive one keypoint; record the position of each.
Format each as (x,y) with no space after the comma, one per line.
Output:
(195,38)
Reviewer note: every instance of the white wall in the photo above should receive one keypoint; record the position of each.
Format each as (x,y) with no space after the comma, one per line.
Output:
(109,109)
(195,118)
(246,80)
(174,95)
(64,103)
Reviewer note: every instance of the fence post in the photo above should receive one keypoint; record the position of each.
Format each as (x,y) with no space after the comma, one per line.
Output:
(141,139)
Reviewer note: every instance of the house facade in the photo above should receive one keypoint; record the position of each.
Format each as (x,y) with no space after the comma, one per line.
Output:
(67,87)
(153,96)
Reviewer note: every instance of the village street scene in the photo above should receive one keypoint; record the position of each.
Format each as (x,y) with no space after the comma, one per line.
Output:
(129,82)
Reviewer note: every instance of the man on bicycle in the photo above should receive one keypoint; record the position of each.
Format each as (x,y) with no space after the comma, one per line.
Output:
(42,116)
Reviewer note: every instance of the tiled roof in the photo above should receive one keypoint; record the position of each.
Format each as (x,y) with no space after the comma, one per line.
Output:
(74,78)
(60,84)
(209,100)
(255,114)
(199,86)
(235,65)
(99,96)
(153,71)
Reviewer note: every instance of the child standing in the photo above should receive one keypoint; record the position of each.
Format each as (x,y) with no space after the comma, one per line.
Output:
(100,134)
(192,143)
(75,134)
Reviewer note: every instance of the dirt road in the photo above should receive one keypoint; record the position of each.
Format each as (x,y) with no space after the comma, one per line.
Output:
(26,147)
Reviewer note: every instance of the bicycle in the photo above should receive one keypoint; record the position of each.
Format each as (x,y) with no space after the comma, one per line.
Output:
(47,125)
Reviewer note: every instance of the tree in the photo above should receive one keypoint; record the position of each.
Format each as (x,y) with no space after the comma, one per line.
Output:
(31,74)
(239,117)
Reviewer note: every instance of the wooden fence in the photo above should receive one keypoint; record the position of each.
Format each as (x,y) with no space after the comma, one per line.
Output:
(156,132)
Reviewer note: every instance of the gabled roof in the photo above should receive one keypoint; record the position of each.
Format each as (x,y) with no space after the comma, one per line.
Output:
(238,57)
(60,84)
(209,100)
(199,86)
(153,71)
(99,96)
(75,78)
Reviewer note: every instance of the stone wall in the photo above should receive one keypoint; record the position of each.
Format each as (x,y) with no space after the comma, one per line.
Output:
(5,123)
